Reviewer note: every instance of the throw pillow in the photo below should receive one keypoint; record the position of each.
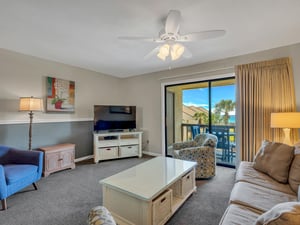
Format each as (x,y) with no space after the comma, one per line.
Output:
(274,159)
(287,213)
(100,215)
(294,175)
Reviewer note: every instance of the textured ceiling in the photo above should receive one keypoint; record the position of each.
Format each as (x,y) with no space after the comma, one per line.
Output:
(84,33)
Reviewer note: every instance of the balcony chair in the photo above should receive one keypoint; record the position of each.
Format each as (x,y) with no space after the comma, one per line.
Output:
(18,169)
(201,150)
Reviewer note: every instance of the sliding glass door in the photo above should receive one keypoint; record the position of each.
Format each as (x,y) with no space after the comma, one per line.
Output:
(202,107)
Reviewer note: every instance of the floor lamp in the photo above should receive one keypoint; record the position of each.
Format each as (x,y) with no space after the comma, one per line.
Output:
(30,104)
(286,121)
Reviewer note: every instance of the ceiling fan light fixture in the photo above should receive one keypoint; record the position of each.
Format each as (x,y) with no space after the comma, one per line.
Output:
(176,51)
(164,51)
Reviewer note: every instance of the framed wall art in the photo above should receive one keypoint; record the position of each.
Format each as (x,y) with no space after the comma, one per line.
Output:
(60,95)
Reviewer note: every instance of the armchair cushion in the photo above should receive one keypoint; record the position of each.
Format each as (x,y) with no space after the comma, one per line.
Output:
(16,172)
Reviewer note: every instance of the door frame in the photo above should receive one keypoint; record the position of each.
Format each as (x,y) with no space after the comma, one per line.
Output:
(163,100)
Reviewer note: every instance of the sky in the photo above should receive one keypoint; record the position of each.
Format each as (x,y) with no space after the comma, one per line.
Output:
(199,96)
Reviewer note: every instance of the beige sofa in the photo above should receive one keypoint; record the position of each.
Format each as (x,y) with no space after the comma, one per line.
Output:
(257,198)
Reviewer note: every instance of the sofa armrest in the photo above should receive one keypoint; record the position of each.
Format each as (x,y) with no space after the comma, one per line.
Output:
(25,157)
(3,189)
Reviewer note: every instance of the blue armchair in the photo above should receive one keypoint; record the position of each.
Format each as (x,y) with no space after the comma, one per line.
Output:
(18,169)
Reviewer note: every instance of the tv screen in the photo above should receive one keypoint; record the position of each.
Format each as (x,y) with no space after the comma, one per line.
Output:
(114,117)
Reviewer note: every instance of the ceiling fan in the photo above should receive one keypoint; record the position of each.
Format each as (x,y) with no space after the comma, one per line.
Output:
(170,38)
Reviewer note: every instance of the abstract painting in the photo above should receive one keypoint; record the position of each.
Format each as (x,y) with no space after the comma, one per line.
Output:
(60,95)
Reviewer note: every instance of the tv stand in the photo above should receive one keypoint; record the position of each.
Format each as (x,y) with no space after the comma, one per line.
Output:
(114,145)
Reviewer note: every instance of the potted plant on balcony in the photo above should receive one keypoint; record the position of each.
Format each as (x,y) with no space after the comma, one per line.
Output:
(57,102)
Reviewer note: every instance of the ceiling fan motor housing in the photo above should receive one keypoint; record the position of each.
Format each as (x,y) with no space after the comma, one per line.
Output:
(168,36)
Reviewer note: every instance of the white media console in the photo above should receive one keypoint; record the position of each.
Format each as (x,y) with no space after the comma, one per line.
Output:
(113,145)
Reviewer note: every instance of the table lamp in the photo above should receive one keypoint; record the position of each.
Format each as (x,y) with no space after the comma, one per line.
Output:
(286,120)
(30,104)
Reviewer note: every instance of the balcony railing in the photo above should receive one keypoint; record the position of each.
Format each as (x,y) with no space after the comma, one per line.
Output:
(226,147)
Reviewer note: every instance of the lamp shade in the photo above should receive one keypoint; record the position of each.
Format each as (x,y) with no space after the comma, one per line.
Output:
(31,104)
(285,120)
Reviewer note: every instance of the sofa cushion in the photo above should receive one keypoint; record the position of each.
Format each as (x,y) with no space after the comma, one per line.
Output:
(258,197)
(294,175)
(247,173)
(238,214)
(17,172)
(287,213)
(274,159)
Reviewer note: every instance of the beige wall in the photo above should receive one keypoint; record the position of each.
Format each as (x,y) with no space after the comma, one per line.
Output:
(23,75)
(145,90)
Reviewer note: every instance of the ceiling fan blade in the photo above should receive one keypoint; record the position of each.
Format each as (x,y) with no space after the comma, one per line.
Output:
(152,52)
(197,36)
(187,53)
(173,22)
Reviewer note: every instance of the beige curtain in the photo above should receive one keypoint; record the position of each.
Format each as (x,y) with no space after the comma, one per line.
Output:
(262,88)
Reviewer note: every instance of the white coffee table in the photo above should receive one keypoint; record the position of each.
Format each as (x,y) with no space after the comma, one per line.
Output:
(149,193)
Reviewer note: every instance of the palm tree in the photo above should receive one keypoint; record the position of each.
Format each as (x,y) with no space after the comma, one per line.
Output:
(201,117)
(224,106)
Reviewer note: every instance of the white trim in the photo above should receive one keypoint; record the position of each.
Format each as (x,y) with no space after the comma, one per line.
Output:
(198,73)
(84,158)
(198,79)
(45,121)
(151,153)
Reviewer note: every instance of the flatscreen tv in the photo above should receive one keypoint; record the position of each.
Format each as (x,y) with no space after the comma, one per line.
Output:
(112,118)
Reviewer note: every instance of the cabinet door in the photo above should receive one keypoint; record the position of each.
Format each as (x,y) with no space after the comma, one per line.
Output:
(52,162)
(66,158)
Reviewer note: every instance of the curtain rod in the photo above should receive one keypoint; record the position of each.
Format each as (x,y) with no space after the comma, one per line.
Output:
(195,73)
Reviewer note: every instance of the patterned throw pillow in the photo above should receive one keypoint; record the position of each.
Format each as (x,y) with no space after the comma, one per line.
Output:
(99,215)
(287,213)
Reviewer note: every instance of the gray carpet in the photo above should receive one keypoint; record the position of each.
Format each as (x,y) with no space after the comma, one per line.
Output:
(65,198)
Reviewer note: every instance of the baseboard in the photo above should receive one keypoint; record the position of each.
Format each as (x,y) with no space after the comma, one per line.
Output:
(151,153)
(84,158)
(92,156)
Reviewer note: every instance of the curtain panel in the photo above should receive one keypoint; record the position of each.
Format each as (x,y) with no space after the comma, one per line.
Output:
(262,88)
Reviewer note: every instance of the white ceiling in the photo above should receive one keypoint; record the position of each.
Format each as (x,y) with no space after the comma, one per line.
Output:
(84,33)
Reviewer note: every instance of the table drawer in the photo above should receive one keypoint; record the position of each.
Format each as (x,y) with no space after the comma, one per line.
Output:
(185,185)
(162,208)
(188,183)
